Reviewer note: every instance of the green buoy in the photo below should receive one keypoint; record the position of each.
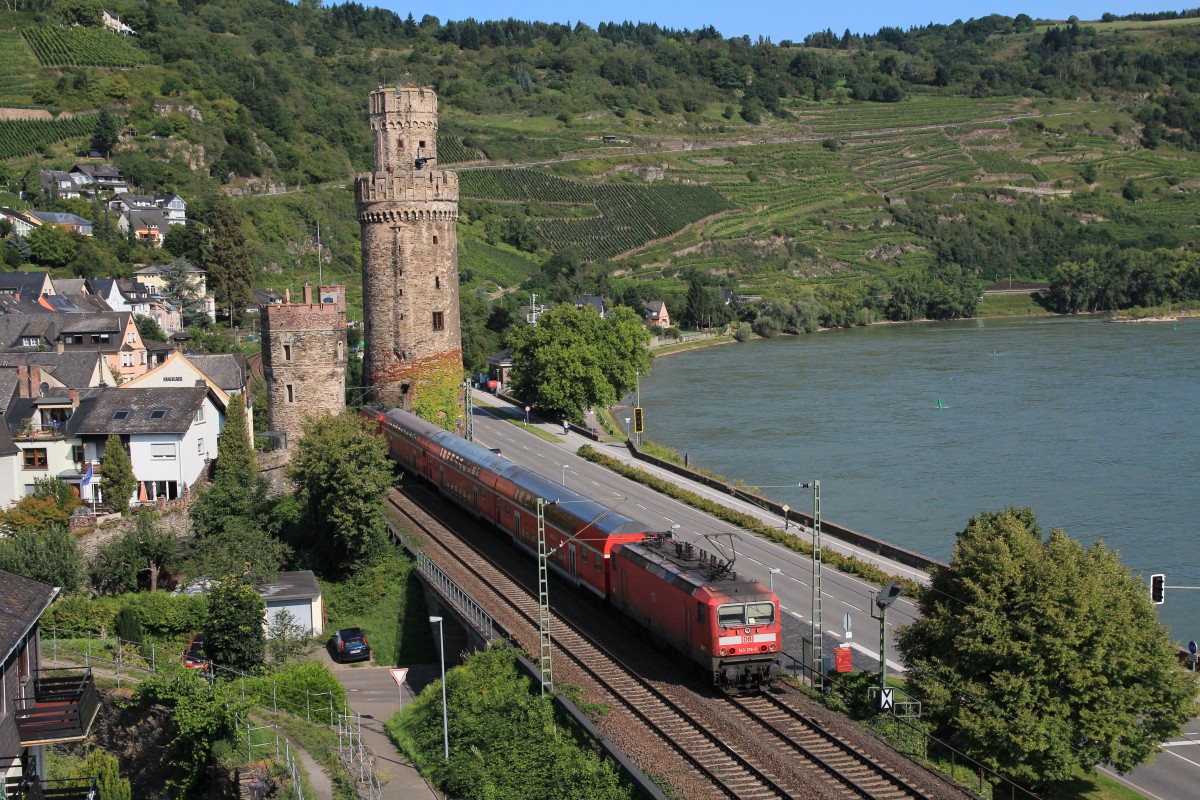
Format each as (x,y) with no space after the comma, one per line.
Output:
(939,404)
(993,352)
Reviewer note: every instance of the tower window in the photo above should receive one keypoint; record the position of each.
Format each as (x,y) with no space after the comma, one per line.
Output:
(341,350)
(435,239)
(400,144)
(287,352)
(437,282)
(439,321)
(421,143)
(291,394)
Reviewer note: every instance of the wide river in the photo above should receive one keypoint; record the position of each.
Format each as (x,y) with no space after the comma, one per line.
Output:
(912,429)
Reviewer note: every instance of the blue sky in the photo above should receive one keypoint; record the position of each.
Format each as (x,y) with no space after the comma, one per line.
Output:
(774,18)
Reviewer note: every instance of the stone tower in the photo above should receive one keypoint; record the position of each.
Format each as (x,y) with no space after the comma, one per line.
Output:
(304,358)
(407,209)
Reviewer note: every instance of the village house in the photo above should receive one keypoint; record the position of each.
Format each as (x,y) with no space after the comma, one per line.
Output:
(656,313)
(71,223)
(58,184)
(98,178)
(39,706)
(197,281)
(22,221)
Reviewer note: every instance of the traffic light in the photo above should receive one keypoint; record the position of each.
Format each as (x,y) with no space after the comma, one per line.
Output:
(638,421)
(1158,588)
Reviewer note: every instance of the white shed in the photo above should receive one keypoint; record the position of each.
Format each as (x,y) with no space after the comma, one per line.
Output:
(299,594)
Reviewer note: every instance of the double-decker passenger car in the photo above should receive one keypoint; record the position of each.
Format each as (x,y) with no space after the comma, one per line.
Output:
(690,599)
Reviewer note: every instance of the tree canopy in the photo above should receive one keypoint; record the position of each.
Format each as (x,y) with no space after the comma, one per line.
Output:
(342,473)
(504,739)
(234,636)
(572,359)
(1042,658)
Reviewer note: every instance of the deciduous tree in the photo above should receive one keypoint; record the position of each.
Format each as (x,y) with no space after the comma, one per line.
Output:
(1042,658)
(49,556)
(342,473)
(234,635)
(145,550)
(572,359)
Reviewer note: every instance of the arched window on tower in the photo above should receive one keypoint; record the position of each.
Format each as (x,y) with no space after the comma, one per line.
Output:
(400,144)
(437,282)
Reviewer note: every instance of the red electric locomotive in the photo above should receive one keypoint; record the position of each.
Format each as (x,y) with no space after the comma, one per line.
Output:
(682,595)
(695,602)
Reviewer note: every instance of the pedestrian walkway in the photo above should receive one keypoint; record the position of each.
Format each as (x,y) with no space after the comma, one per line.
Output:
(372,694)
(322,786)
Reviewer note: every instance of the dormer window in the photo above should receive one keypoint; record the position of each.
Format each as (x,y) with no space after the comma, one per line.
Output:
(30,341)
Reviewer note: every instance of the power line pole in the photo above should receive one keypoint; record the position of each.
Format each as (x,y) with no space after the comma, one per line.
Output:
(545,661)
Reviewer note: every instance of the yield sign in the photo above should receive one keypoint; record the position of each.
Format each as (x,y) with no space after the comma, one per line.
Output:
(885,699)
(398,675)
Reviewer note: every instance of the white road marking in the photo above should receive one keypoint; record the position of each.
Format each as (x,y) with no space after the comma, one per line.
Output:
(892,665)
(1188,760)
(796,615)
(1180,743)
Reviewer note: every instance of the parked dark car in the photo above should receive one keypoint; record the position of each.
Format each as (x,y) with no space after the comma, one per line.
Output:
(194,656)
(350,644)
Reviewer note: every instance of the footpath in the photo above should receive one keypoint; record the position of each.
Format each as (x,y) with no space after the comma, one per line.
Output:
(373,695)
(616,448)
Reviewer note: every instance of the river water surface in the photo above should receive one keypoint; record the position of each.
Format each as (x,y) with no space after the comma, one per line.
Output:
(1093,425)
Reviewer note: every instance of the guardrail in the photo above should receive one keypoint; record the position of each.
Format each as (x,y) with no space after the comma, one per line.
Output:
(458,597)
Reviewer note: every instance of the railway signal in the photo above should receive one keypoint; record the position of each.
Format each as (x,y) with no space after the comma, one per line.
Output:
(639,421)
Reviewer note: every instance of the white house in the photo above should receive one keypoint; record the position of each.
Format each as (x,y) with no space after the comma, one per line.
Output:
(224,374)
(170,434)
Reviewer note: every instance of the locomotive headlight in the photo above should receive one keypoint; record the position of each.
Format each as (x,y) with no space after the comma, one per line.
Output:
(771,648)
(746,631)
(723,651)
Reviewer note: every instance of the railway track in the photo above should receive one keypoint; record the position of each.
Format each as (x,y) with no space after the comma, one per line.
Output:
(769,723)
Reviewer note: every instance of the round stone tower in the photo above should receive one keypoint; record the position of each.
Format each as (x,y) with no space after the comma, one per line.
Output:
(407,209)
(304,358)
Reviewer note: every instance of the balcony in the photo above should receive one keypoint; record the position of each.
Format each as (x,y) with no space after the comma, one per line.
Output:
(36,431)
(64,789)
(63,705)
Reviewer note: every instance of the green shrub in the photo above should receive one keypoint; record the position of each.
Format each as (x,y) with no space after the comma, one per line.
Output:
(161,614)
(128,624)
(296,683)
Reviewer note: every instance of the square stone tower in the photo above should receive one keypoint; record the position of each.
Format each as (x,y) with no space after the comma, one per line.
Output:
(304,358)
(408,209)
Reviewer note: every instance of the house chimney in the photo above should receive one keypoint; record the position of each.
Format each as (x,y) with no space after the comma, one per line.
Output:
(74,395)
(308,294)
(24,389)
(287,296)
(59,347)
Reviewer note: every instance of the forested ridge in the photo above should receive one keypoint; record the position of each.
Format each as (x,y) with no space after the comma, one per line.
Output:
(995,148)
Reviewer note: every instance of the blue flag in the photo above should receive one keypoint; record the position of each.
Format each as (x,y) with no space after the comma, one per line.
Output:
(87,476)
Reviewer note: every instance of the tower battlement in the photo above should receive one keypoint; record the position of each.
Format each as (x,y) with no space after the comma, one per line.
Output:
(416,186)
(404,125)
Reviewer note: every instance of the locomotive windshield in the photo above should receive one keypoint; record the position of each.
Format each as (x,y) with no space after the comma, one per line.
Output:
(732,616)
(760,613)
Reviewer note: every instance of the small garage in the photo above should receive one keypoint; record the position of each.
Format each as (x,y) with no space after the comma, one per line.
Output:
(299,594)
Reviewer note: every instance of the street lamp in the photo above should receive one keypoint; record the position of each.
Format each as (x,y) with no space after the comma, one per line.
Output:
(817,635)
(445,718)
(773,571)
